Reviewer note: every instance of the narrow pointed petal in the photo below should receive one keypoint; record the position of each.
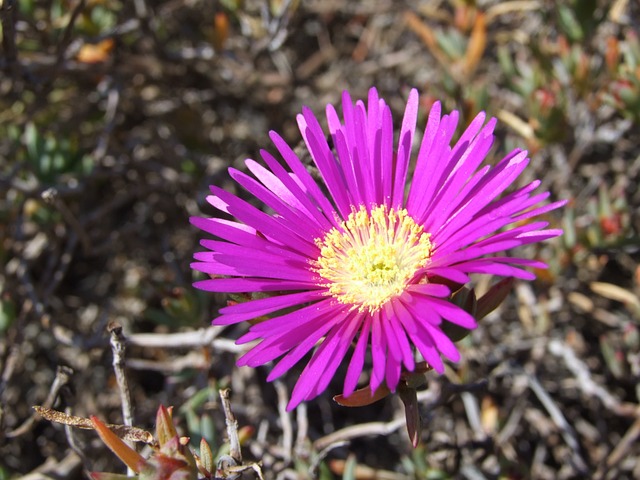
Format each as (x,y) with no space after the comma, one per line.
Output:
(405,143)
(357,359)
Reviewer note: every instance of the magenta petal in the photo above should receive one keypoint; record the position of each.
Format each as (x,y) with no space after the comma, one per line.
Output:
(323,157)
(241,285)
(360,150)
(494,268)
(336,357)
(539,211)
(306,202)
(523,235)
(449,273)
(393,345)
(453,313)
(392,373)
(239,234)
(436,167)
(277,341)
(357,359)
(298,317)
(404,148)
(427,348)
(214,225)
(272,227)
(322,366)
(302,336)
(443,343)
(269,253)
(348,170)
(431,289)
(290,214)
(378,351)
(416,318)
(294,356)
(257,308)
(405,351)
(455,188)
(275,185)
(258,267)
(424,171)
(302,174)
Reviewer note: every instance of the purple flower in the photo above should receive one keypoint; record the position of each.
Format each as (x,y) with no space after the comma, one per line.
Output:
(365,256)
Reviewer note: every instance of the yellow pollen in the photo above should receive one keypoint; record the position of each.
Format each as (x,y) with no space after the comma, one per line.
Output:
(372,257)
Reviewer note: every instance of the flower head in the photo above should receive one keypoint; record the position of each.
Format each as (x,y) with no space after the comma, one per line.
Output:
(367,255)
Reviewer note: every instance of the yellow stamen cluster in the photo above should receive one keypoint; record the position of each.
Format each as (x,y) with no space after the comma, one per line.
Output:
(372,256)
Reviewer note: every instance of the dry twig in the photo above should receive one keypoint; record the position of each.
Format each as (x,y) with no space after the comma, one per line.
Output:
(63,376)
(585,382)
(130,434)
(119,348)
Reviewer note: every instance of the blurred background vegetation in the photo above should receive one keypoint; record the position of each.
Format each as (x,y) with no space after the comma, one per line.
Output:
(115,116)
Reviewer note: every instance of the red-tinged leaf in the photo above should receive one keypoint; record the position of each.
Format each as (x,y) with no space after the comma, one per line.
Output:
(165,430)
(245,433)
(95,53)
(409,397)
(476,46)
(421,367)
(107,476)
(362,397)
(221,31)
(164,467)
(124,452)
(417,378)
(493,298)
(612,53)
(465,298)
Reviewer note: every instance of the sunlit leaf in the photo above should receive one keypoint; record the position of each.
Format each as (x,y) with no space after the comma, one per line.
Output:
(124,452)
(362,397)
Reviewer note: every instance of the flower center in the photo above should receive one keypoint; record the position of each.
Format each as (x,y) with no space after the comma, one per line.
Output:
(372,256)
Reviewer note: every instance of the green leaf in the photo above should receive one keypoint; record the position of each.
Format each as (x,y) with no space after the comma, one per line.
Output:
(207,427)
(8,314)
(452,43)
(568,23)
(206,457)
(350,465)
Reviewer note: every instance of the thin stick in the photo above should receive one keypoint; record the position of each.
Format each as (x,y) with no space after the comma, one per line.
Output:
(567,432)
(129,434)
(66,36)
(232,426)
(622,448)
(303,428)
(50,196)
(71,440)
(202,337)
(285,420)
(63,376)
(585,382)
(355,431)
(8,16)
(118,347)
